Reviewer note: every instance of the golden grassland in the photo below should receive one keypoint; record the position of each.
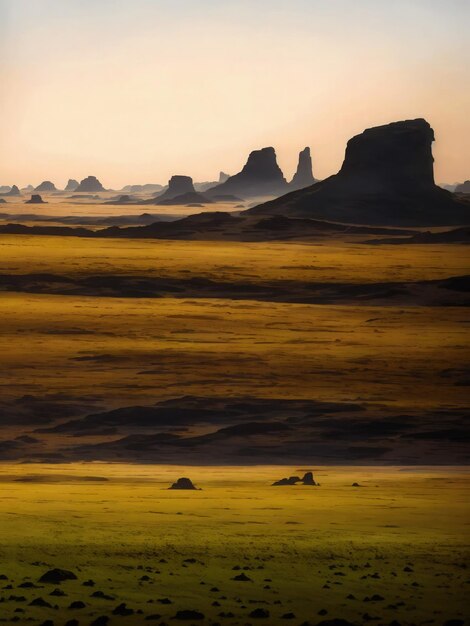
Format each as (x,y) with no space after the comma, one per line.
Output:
(229,261)
(306,549)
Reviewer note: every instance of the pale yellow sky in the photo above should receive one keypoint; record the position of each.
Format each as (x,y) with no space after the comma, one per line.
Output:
(134,91)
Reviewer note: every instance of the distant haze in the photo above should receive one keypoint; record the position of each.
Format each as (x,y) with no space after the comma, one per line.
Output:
(133,91)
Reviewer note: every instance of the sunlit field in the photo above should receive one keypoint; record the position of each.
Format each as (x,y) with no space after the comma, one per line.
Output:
(392,549)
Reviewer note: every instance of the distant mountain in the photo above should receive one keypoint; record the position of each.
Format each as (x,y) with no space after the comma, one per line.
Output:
(386,178)
(147,188)
(261,176)
(463,187)
(90,184)
(13,191)
(45,186)
(303,177)
(71,185)
(177,186)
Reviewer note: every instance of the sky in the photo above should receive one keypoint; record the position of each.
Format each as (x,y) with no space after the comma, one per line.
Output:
(133,91)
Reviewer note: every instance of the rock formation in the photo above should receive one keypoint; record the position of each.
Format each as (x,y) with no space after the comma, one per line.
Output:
(294,480)
(147,188)
(183,483)
(463,187)
(90,184)
(46,185)
(71,185)
(261,176)
(14,191)
(35,199)
(190,197)
(57,576)
(303,177)
(28,188)
(177,186)
(223,177)
(4,189)
(386,178)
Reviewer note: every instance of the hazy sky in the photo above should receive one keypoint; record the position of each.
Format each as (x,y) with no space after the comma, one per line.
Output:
(133,91)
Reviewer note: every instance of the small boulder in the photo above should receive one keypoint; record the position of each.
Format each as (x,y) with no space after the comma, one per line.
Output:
(183,483)
(187,614)
(56,576)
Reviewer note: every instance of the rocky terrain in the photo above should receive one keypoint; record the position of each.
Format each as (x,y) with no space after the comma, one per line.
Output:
(386,178)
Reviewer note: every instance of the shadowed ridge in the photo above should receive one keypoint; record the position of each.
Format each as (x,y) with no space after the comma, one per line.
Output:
(386,178)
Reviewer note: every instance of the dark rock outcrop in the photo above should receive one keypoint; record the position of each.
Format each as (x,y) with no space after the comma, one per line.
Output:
(386,178)
(35,199)
(90,184)
(177,186)
(223,177)
(46,185)
(71,185)
(56,576)
(303,177)
(294,480)
(463,187)
(261,176)
(183,483)
(308,479)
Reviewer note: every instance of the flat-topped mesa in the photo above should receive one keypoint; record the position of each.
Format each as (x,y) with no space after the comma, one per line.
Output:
(394,157)
(71,185)
(45,186)
(386,178)
(261,176)
(90,183)
(177,186)
(35,199)
(303,177)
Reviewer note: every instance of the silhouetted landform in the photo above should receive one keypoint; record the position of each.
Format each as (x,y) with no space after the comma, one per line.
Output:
(14,191)
(204,186)
(303,177)
(228,197)
(147,188)
(28,188)
(295,480)
(123,199)
(185,198)
(46,186)
(386,178)
(183,483)
(219,225)
(4,189)
(71,185)
(92,220)
(454,291)
(261,176)
(463,187)
(456,235)
(243,430)
(35,199)
(177,186)
(90,184)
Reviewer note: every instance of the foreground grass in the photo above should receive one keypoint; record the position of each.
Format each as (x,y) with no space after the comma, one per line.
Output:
(401,537)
